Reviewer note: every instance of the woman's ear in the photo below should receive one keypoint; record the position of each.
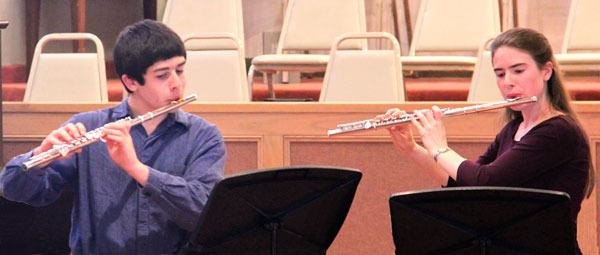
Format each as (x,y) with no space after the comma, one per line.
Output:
(130,83)
(547,70)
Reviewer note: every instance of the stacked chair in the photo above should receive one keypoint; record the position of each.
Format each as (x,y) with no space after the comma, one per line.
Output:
(581,42)
(67,76)
(447,34)
(363,75)
(483,83)
(310,25)
(213,32)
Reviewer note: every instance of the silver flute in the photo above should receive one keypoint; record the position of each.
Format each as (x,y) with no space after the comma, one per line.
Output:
(61,150)
(405,118)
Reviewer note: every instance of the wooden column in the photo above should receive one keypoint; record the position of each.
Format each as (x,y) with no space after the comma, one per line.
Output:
(3,25)
(32,26)
(32,29)
(150,9)
(78,23)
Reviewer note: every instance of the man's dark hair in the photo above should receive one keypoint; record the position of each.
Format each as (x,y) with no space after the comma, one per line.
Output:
(141,45)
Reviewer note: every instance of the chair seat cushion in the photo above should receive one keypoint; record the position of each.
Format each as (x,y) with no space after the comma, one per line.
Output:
(290,62)
(579,61)
(440,62)
(578,58)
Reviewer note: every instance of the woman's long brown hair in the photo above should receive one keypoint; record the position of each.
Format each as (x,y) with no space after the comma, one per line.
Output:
(538,47)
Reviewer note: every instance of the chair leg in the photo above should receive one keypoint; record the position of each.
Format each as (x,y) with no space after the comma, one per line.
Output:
(250,81)
(270,85)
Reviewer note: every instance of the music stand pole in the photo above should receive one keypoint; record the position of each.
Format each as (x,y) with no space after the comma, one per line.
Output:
(273,226)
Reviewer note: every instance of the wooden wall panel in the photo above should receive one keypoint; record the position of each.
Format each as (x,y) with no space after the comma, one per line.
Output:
(242,155)
(13,147)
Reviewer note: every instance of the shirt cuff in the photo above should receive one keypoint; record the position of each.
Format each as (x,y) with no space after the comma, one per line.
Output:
(154,183)
(18,161)
(451,183)
(466,174)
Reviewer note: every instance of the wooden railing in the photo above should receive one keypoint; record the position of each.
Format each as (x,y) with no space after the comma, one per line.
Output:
(260,135)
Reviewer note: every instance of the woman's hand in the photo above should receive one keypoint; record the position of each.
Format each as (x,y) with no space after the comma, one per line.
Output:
(401,135)
(431,128)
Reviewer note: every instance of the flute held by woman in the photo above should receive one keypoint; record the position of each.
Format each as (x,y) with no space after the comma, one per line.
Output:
(406,118)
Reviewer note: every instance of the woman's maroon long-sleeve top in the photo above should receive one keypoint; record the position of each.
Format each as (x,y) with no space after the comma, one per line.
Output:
(553,155)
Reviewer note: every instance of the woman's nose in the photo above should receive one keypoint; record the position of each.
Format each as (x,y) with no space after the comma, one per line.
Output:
(508,79)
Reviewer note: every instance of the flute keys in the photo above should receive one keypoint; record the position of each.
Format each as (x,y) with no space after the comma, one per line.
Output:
(62,149)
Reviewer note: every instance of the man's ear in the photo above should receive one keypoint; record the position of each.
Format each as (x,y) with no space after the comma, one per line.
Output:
(129,82)
(548,68)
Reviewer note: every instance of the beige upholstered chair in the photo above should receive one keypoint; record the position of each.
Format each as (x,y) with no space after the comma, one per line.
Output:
(347,79)
(483,84)
(203,17)
(448,33)
(213,32)
(67,77)
(216,74)
(581,42)
(310,25)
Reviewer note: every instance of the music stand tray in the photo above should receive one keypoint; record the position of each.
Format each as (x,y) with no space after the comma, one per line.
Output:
(482,220)
(290,210)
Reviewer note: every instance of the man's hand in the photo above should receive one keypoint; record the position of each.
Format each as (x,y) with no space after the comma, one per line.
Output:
(121,150)
(60,136)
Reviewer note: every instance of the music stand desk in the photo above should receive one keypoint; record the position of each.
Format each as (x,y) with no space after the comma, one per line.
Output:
(290,210)
(482,220)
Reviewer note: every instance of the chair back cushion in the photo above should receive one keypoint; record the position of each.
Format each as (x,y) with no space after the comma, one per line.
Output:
(363,76)
(447,26)
(314,24)
(582,32)
(483,84)
(216,75)
(206,16)
(66,77)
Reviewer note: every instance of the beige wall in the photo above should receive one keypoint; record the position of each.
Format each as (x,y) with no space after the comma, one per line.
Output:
(107,17)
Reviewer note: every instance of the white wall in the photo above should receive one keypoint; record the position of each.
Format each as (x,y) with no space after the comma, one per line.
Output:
(13,37)
(106,18)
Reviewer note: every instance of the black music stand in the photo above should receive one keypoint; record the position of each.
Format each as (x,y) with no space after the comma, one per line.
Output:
(290,210)
(482,220)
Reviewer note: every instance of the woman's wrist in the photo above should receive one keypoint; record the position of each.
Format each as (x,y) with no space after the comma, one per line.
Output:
(436,154)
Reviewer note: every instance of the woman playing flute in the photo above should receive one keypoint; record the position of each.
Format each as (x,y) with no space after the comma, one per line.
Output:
(542,145)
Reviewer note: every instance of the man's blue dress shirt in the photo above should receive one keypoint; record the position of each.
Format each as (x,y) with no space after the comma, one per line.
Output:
(112,213)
